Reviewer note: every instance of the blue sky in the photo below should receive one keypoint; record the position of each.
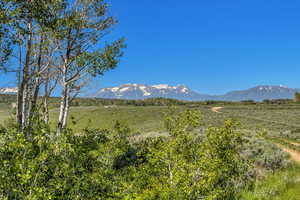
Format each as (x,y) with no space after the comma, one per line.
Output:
(212,46)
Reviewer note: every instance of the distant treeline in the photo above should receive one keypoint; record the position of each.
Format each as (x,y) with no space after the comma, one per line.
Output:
(55,102)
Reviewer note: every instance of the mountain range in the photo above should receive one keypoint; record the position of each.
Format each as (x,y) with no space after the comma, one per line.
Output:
(182,92)
(9,90)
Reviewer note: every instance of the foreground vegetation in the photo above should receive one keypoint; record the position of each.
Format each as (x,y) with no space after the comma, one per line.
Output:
(109,165)
(75,148)
(119,151)
(191,160)
(281,185)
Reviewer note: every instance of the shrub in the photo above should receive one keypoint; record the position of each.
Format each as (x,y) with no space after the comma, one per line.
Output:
(185,166)
(68,167)
(102,164)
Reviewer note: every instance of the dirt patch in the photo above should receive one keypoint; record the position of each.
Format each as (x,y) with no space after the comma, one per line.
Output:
(295,143)
(216,109)
(295,155)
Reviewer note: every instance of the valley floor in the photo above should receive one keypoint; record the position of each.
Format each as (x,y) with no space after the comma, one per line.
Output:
(283,184)
(279,123)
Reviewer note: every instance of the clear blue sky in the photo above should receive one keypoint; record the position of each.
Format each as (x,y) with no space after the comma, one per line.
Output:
(212,46)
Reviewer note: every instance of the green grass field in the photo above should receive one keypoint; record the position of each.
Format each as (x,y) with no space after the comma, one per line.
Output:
(283,185)
(6,112)
(144,119)
(274,118)
(279,121)
(140,119)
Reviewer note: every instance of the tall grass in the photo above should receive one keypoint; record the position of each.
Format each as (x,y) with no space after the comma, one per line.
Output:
(282,185)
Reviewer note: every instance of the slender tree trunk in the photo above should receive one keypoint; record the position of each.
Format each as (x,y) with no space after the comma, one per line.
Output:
(63,103)
(36,87)
(66,111)
(63,110)
(28,95)
(32,110)
(46,98)
(23,89)
(19,97)
(46,109)
(170,173)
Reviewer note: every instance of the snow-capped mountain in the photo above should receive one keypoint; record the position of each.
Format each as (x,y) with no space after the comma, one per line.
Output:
(181,92)
(8,90)
(140,91)
(260,93)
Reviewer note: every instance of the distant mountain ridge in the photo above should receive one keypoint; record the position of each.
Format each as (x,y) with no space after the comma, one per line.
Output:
(260,93)
(141,91)
(182,92)
(9,90)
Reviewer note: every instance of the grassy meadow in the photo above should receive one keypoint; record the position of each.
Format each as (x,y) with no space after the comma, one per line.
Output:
(143,119)
(276,119)
(266,126)
(280,121)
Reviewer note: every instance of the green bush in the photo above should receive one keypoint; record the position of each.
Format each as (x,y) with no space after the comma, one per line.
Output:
(102,164)
(185,166)
(68,167)
(297,97)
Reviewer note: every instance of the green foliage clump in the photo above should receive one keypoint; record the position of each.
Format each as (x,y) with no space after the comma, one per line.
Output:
(282,185)
(68,167)
(297,97)
(227,171)
(266,155)
(102,164)
(185,166)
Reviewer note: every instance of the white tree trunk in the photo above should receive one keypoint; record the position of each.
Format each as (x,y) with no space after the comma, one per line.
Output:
(46,100)
(23,88)
(66,111)
(64,104)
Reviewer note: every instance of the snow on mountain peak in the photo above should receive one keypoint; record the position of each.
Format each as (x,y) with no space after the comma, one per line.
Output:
(283,86)
(123,89)
(8,90)
(161,86)
(184,90)
(142,91)
(135,91)
(265,88)
(272,87)
(114,89)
